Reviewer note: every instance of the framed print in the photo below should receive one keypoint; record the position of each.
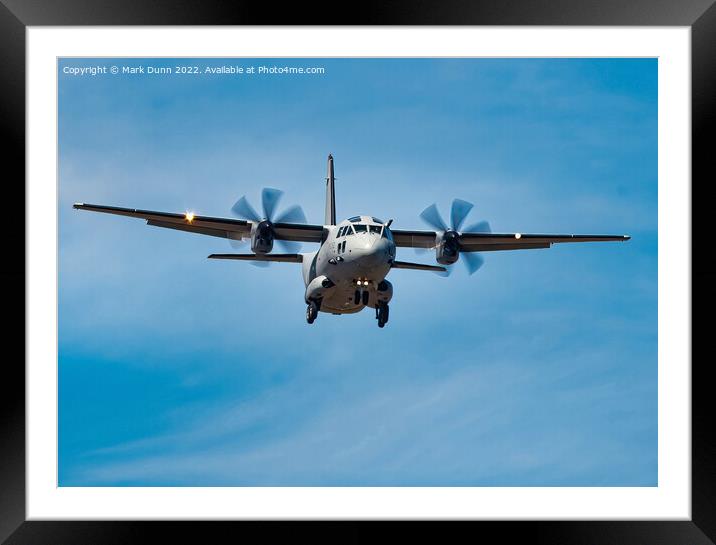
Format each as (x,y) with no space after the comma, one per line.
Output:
(553,391)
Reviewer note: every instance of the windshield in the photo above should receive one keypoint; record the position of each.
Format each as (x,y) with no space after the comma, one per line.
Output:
(360,227)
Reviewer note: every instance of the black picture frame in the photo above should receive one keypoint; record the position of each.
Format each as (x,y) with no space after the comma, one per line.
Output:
(16,15)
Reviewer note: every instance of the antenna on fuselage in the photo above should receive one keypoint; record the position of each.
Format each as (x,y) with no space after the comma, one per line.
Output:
(330,194)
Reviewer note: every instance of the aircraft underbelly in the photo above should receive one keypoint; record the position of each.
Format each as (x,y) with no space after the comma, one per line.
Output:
(341,299)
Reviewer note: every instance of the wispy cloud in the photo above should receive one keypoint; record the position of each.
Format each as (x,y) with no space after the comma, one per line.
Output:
(471,427)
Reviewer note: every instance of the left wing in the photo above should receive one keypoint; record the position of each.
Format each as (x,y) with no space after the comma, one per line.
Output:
(206,225)
(490,242)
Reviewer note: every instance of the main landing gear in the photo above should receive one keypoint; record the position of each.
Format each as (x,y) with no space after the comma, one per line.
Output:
(361,296)
(381,314)
(311,312)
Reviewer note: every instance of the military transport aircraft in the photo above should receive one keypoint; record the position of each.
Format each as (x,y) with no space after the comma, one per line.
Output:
(348,271)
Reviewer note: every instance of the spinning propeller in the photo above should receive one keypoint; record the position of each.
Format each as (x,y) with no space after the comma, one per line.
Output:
(451,235)
(269,202)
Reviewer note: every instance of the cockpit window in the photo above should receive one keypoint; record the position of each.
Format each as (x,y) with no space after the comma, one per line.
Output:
(378,221)
(354,219)
(375,229)
(344,231)
(360,228)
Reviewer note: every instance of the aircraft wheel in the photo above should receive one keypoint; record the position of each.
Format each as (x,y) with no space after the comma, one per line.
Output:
(382,314)
(311,312)
(356,297)
(365,297)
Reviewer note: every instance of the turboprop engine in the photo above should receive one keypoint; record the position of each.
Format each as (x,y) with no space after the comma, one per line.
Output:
(447,239)
(447,249)
(262,237)
(263,228)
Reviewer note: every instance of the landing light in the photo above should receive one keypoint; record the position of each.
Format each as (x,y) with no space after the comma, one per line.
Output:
(518,235)
(189,216)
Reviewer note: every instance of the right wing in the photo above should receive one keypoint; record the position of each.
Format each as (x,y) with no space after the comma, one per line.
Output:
(282,258)
(207,225)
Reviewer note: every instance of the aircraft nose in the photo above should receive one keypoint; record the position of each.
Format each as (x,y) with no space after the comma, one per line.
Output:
(375,251)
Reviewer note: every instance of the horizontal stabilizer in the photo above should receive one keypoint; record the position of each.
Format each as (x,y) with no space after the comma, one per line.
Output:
(283,258)
(417,266)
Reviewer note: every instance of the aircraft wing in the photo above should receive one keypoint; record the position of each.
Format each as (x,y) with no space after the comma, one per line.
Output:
(414,239)
(490,242)
(205,225)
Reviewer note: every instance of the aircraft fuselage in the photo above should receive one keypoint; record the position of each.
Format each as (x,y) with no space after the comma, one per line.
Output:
(348,272)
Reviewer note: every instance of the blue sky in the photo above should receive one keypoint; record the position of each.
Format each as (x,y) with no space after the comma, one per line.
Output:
(539,370)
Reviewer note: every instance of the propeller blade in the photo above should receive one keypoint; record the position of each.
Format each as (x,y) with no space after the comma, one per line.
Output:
(260,264)
(473,261)
(459,211)
(244,210)
(269,200)
(480,227)
(447,272)
(292,215)
(289,246)
(432,217)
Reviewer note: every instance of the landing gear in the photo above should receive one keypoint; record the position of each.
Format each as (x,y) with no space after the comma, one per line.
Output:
(381,314)
(311,312)
(361,296)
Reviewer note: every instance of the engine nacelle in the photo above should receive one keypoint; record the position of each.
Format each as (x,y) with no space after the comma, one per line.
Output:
(262,237)
(447,250)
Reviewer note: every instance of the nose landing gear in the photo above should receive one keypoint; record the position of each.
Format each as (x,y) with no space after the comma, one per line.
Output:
(382,313)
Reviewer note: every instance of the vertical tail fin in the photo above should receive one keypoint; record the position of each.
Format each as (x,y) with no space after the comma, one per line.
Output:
(330,194)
